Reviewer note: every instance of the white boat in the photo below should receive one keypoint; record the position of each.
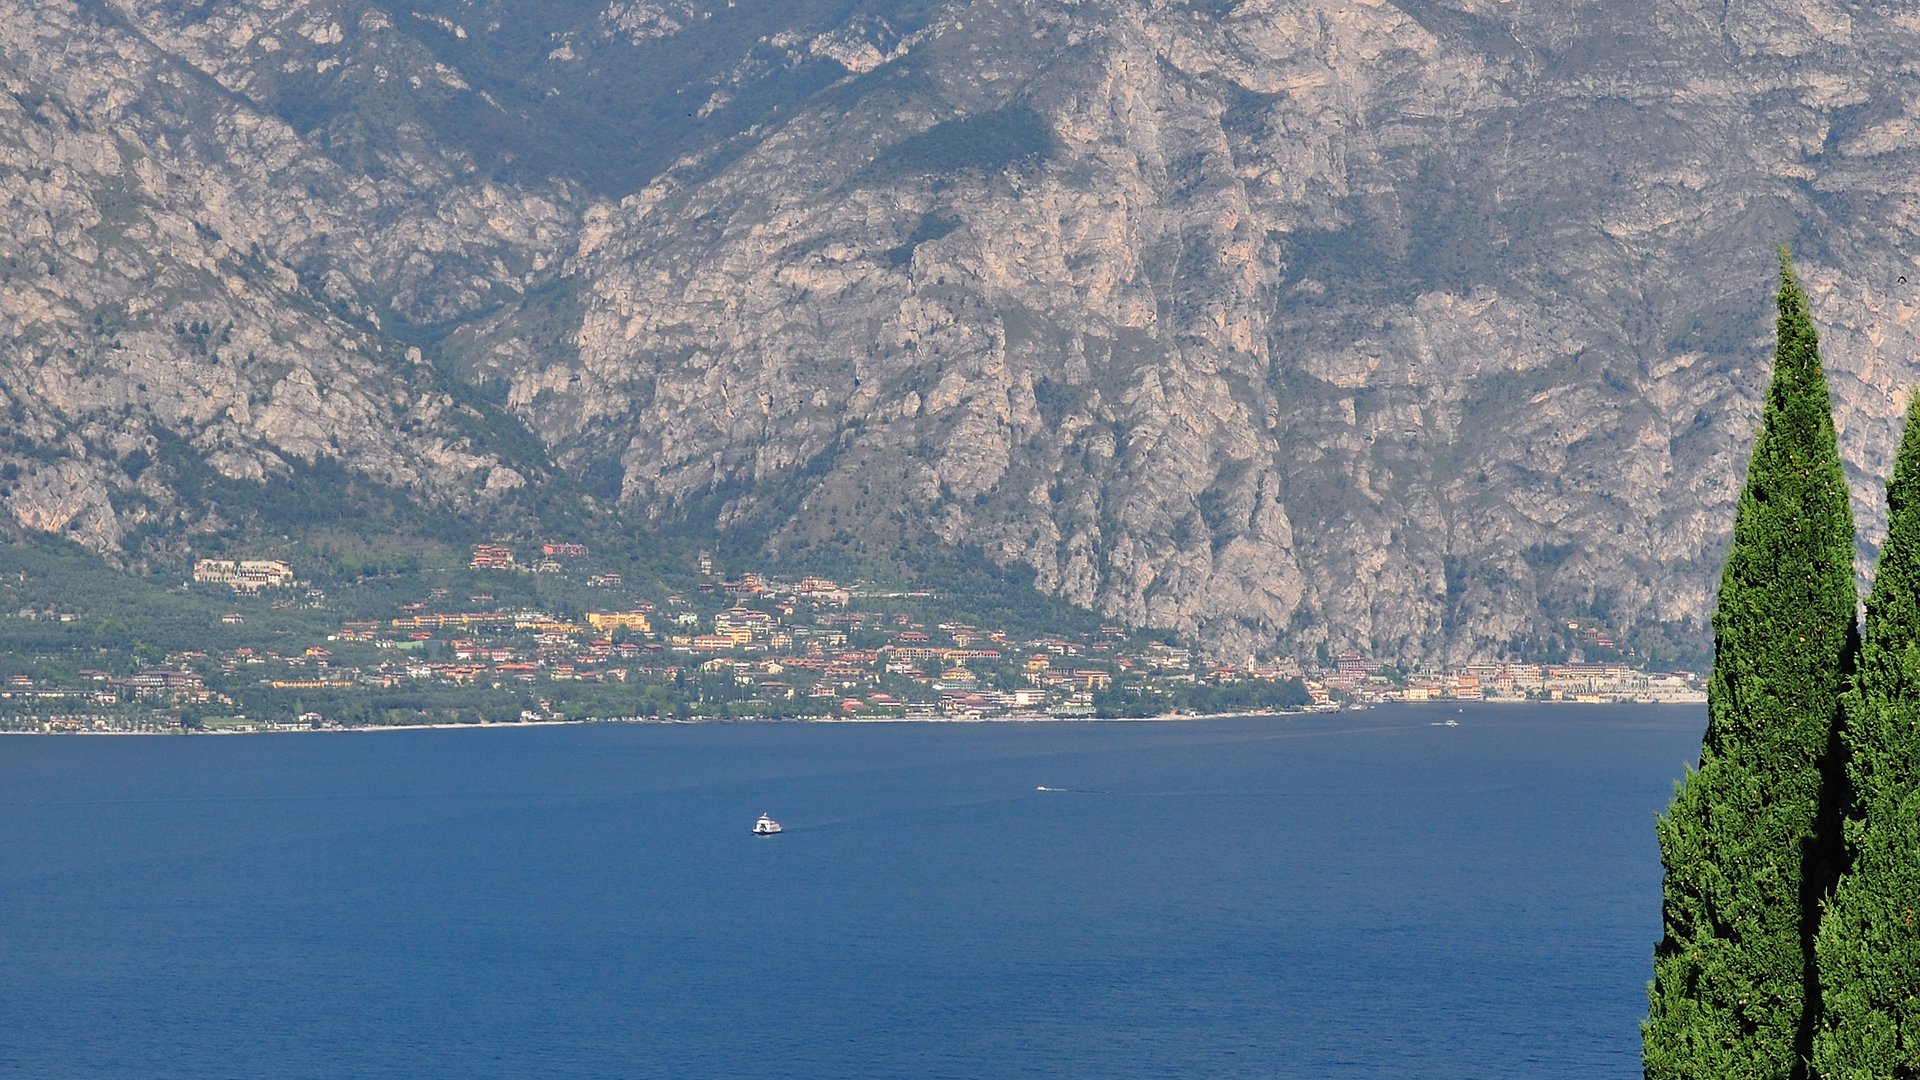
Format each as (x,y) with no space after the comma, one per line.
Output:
(766,826)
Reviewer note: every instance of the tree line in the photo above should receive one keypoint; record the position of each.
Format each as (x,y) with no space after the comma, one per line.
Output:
(1791,900)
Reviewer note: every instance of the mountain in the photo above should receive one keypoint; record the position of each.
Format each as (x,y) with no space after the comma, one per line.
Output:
(1424,328)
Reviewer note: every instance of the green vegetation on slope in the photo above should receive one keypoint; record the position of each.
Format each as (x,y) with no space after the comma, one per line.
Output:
(987,142)
(62,608)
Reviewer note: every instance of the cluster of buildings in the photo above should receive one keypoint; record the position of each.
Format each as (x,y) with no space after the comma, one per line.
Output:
(787,646)
(501,557)
(172,683)
(754,644)
(1357,678)
(95,700)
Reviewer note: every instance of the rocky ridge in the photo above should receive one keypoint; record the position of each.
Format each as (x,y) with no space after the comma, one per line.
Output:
(182,267)
(1415,327)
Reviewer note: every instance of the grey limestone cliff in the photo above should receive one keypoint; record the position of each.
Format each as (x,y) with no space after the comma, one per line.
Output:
(1419,327)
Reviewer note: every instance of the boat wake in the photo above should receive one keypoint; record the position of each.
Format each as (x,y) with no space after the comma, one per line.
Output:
(1069,791)
(826,823)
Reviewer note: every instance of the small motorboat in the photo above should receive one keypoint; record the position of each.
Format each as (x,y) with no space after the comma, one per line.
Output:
(766,826)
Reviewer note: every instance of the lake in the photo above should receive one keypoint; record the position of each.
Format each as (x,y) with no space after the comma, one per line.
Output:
(1367,894)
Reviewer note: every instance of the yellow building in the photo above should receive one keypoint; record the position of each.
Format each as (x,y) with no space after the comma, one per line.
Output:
(619,620)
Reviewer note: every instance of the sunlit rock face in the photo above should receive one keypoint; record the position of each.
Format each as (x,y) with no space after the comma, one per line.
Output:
(1420,328)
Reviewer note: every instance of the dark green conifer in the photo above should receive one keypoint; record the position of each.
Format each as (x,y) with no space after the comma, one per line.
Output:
(1748,843)
(1869,942)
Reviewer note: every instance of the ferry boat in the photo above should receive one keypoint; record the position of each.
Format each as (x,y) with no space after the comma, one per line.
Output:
(766,826)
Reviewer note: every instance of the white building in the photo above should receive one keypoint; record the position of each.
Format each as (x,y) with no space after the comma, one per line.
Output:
(244,575)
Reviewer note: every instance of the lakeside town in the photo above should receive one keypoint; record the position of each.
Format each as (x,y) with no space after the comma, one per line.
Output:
(747,646)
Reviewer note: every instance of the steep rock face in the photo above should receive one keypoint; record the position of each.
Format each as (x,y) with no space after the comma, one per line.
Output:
(1414,327)
(230,224)
(182,269)
(1420,327)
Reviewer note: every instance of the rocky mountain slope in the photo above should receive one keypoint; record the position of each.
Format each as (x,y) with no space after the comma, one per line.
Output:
(1419,327)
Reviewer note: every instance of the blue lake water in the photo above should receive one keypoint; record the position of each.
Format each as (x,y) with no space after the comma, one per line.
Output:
(1362,895)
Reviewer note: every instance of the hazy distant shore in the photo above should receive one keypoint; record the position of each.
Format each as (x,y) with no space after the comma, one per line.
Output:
(507,725)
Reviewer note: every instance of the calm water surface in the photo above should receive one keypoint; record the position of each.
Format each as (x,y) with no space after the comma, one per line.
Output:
(1367,895)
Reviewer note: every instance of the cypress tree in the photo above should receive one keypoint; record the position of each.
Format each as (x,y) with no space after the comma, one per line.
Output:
(1869,941)
(1749,840)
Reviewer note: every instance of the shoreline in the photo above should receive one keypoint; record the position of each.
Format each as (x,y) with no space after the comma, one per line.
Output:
(639,720)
